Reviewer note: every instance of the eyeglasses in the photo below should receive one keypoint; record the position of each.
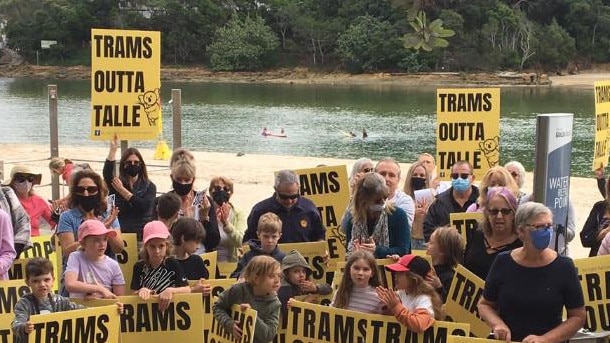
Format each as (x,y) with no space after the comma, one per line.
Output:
(225,188)
(368,170)
(514,174)
(23,178)
(288,196)
(460,175)
(504,211)
(90,190)
(539,227)
(133,163)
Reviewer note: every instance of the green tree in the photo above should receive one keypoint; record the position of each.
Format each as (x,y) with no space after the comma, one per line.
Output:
(369,44)
(242,45)
(555,47)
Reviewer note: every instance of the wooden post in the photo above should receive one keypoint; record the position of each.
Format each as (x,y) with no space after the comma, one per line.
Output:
(177,118)
(54,128)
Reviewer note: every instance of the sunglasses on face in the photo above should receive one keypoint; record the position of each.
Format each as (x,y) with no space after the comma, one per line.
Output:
(504,211)
(90,190)
(514,174)
(460,175)
(133,163)
(225,188)
(288,196)
(539,227)
(368,170)
(23,178)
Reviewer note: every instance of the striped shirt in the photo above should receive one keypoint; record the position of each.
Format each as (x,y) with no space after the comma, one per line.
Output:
(365,300)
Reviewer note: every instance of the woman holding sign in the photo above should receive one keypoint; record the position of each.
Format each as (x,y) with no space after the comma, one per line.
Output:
(134,192)
(374,225)
(528,287)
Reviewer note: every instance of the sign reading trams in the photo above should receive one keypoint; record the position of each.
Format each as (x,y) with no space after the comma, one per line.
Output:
(601,149)
(125,84)
(467,128)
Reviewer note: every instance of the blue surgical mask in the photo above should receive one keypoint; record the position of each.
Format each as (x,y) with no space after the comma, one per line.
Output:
(541,238)
(460,185)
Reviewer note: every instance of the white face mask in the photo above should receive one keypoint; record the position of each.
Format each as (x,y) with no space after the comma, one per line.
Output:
(23,187)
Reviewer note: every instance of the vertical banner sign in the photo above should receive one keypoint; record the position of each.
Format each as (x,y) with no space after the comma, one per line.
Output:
(100,324)
(594,276)
(601,149)
(552,171)
(328,188)
(311,323)
(217,286)
(125,84)
(247,322)
(41,247)
(461,305)
(129,256)
(467,128)
(465,223)
(10,292)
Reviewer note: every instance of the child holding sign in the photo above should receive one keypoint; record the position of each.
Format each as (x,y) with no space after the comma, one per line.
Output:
(89,272)
(157,273)
(39,277)
(357,288)
(297,280)
(262,280)
(415,304)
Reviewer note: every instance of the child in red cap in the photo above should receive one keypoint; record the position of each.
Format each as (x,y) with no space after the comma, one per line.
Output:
(415,303)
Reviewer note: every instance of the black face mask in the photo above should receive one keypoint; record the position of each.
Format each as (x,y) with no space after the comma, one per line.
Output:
(133,170)
(220,196)
(87,203)
(418,183)
(182,189)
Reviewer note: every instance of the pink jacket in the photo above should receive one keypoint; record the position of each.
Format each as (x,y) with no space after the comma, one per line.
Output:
(7,247)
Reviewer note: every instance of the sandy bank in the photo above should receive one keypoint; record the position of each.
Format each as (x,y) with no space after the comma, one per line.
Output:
(252,174)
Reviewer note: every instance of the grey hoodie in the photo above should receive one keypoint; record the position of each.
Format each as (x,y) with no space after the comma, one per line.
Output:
(267,308)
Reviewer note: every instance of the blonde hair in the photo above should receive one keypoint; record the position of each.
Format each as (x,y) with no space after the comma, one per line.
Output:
(506,180)
(451,244)
(143,254)
(369,189)
(183,166)
(181,154)
(347,284)
(269,223)
(418,286)
(407,187)
(259,266)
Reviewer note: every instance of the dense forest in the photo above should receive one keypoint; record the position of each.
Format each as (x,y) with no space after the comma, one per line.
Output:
(351,35)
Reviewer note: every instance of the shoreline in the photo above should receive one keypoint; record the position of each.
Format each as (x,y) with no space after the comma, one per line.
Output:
(252,174)
(306,76)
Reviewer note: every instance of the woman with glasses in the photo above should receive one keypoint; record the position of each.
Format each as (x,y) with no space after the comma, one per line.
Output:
(134,193)
(496,233)
(374,225)
(87,200)
(231,220)
(418,179)
(22,182)
(528,288)
(361,166)
(494,177)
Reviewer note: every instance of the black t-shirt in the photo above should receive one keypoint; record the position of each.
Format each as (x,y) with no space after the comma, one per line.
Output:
(531,299)
(477,260)
(167,274)
(193,268)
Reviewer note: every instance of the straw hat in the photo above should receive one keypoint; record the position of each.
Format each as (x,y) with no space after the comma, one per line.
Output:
(22,169)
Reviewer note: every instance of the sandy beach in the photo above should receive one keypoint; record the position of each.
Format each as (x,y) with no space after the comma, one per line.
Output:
(251,174)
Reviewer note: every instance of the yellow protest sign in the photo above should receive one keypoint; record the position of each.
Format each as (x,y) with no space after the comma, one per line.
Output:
(464,339)
(100,324)
(224,269)
(246,320)
(210,261)
(218,286)
(142,321)
(328,188)
(125,84)
(466,223)
(593,273)
(601,148)
(128,257)
(385,276)
(467,128)
(311,323)
(41,247)
(10,292)
(461,305)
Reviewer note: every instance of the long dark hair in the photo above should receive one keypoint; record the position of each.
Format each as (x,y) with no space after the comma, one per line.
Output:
(99,182)
(347,285)
(132,151)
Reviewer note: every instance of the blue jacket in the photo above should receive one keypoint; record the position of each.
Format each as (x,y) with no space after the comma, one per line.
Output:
(255,250)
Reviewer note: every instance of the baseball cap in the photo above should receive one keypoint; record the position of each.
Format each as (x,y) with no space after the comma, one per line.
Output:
(94,227)
(155,229)
(22,169)
(411,263)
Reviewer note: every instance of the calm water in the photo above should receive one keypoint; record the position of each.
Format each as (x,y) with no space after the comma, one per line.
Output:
(229,118)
